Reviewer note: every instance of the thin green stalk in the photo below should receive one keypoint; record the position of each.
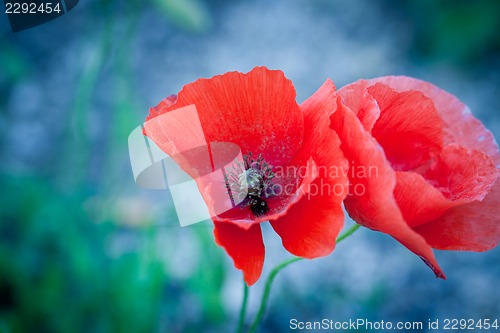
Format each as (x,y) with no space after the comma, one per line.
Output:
(243,310)
(78,146)
(348,233)
(274,273)
(267,291)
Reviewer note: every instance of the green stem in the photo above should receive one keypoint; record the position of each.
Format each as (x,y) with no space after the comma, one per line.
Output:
(348,233)
(267,291)
(274,273)
(243,310)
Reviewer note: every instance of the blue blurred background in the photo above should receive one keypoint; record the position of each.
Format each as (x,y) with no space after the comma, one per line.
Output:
(83,249)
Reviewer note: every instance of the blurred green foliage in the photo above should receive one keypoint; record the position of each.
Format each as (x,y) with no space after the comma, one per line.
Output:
(58,272)
(461,32)
(191,15)
(13,67)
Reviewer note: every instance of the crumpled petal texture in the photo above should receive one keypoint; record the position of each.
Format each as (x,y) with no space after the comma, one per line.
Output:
(436,185)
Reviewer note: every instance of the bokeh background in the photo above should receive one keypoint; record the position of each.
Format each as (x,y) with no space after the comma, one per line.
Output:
(83,249)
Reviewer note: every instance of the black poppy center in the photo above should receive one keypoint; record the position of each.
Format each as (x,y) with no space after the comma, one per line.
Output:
(250,184)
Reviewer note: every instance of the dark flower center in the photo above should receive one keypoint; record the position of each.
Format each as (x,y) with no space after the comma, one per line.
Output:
(250,184)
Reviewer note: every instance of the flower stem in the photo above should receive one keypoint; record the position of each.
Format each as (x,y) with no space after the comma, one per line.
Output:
(243,310)
(267,290)
(274,273)
(348,233)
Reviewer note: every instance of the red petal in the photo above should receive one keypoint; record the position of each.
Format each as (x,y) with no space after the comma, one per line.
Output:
(257,111)
(310,227)
(244,246)
(418,200)
(160,108)
(356,97)
(320,141)
(461,174)
(409,128)
(157,110)
(470,227)
(373,204)
(460,126)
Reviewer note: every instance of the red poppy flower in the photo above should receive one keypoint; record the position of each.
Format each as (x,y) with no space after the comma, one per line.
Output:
(436,166)
(284,146)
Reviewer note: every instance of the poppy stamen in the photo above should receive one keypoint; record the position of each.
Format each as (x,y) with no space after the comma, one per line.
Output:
(250,183)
